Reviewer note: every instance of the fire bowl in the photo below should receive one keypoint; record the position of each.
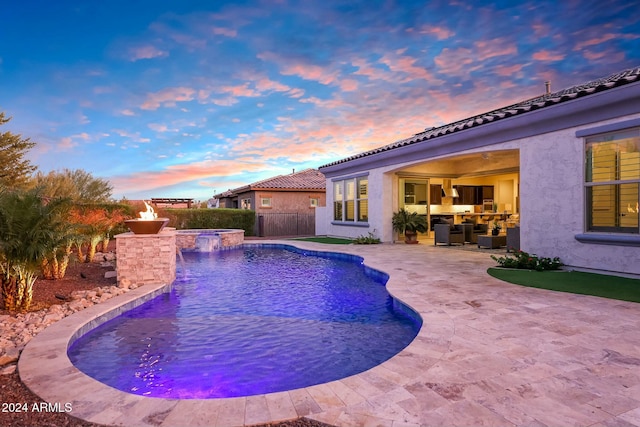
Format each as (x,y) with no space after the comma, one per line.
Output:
(146,226)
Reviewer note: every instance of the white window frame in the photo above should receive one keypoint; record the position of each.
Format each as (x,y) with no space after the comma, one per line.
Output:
(268,200)
(615,181)
(348,190)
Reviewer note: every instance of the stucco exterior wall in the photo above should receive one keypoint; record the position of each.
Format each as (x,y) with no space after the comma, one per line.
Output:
(287,201)
(552,202)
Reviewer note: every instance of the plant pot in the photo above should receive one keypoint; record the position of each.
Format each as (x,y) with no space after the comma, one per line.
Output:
(410,237)
(495,232)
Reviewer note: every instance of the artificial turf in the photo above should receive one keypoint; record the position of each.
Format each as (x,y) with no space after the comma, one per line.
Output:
(577,282)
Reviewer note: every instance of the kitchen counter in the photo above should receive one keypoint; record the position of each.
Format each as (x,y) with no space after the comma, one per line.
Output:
(480,214)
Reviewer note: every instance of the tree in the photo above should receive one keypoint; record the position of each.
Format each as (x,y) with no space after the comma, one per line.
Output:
(15,170)
(30,229)
(95,222)
(77,185)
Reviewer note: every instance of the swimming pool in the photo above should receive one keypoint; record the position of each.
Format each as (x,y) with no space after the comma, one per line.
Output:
(248,321)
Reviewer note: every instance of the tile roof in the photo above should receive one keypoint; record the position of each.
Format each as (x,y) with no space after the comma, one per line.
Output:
(614,80)
(308,179)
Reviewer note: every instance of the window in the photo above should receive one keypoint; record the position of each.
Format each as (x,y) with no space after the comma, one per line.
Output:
(362,200)
(612,181)
(265,202)
(314,202)
(246,204)
(337,200)
(350,200)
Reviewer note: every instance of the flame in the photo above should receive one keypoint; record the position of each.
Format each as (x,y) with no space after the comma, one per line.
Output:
(149,213)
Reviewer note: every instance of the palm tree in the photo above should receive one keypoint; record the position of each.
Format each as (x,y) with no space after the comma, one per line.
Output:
(30,229)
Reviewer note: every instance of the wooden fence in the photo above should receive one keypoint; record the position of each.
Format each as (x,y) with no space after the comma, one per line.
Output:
(285,224)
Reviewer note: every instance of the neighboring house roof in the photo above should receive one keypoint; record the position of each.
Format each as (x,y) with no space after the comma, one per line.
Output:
(305,180)
(224,194)
(615,80)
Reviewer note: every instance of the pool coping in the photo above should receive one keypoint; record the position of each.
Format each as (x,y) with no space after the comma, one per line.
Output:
(97,402)
(488,353)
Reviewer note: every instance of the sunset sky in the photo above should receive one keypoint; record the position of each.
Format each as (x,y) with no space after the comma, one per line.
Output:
(191,98)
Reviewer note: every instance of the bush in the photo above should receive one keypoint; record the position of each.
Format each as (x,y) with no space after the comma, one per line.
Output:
(525,261)
(210,218)
(371,239)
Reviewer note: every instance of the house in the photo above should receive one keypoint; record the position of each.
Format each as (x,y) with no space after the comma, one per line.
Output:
(284,199)
(564,165)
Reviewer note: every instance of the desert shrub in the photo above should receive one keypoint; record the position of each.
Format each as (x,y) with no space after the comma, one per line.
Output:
(526,261)
(370,239)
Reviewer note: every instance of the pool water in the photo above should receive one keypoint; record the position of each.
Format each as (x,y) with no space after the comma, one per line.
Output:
(250,321)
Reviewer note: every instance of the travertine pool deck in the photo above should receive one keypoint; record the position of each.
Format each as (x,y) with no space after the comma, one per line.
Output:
(489,354)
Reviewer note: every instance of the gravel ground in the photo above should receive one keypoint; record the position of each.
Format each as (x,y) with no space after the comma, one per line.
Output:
(15,397)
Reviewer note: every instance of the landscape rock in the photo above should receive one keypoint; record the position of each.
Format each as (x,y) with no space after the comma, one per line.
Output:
(16,330)
(8,370)
(10,355)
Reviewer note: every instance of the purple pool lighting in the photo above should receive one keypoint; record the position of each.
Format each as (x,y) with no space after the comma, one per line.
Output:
(249,321)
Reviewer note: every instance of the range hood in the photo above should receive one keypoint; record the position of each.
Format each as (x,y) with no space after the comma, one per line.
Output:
(448,190)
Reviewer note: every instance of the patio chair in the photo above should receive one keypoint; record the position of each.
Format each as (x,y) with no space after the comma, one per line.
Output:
(447,234)
(472,230)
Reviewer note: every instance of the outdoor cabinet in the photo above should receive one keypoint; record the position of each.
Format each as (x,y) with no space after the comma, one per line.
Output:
(435,194)
(473,194)
(487,193)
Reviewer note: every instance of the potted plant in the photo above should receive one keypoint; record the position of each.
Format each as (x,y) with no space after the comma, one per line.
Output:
(409,224)
(496,228)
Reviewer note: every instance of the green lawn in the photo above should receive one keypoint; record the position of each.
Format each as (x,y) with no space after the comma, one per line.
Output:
(328,240)
(614,287)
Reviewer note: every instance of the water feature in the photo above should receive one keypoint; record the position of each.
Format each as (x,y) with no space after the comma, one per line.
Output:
(250,321)
(208,242)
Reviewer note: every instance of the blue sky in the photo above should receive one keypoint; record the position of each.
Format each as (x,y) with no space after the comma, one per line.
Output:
(190,98)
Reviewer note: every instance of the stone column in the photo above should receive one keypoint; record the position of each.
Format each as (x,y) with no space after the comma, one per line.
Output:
(146,258)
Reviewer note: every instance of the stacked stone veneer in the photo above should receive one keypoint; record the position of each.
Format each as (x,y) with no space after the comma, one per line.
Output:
(186,239)
(146,258)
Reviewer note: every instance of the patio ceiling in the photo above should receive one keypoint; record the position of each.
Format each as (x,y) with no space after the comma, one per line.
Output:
(474,164)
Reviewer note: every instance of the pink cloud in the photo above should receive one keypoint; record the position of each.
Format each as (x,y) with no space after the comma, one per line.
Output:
(310,72)
(238,90)
(182,173)
(168,97)
(610,56)
(265,84)
(441,33)
(348,85)
(508,70)
(146,52)
(486,49)
(454,62)
(595,41)
(228,32)
(371,72)
(66,144)
(406,65)
(545,55)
